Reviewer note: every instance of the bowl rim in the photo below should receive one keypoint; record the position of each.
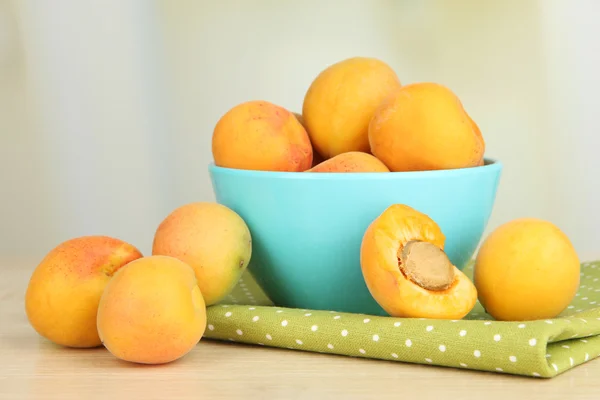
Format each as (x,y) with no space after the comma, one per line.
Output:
(491,165)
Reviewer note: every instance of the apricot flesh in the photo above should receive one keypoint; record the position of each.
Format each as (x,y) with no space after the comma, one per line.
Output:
(424,126)
(152,311)
(259,135)
(352,161)
(340,102)
(61,300)
(213,239)
(526,269)
(429,286)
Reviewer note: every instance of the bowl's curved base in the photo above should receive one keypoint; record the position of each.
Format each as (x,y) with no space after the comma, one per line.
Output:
(314,292)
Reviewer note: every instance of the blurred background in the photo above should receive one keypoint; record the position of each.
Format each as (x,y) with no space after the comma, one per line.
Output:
(107,106)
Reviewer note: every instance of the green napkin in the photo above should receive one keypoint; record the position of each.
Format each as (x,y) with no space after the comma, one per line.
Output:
(542,348)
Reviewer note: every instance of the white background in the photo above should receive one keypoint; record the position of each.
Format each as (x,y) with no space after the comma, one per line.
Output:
(107,107)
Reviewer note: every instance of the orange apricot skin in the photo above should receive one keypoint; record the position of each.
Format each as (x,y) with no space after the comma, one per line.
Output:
(424,126)
(61,300)
(390,288)
(352,161)
(526,269)
(341,100)
(152,311)
(259,135)
(212,239)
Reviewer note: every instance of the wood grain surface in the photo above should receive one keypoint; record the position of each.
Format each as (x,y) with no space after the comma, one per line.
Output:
(33,368)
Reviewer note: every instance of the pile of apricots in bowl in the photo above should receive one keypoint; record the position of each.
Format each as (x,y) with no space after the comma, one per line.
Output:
(356,118)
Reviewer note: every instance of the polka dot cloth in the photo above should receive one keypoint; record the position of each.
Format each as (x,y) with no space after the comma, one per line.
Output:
(543,348)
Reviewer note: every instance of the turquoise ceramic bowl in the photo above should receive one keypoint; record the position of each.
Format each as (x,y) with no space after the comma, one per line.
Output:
(307,227)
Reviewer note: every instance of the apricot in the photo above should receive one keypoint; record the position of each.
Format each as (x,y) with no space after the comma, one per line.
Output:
(61,300)
(526,269)
(424,126)
(259,135)
(211,238)
(352,161)
(152,311)
(341,101)
(406,270)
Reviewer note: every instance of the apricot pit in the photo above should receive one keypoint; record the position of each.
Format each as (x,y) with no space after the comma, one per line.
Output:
(426,265)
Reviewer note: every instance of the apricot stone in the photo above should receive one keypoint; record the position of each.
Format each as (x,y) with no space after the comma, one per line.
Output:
(352,161)
(341,101)
(61,300)
(406,270)
(152,311)
(424,126)
(213,239)
(259,135)
(526,269)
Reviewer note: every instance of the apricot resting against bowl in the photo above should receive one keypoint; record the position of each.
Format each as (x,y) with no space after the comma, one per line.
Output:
(526,269)
(406,270)
(535,262)
(353,107)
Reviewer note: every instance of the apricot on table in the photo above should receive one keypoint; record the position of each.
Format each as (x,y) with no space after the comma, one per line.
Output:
(340,102)
(259,135)
(352,161)
(152,311)
(526,269)
(211,238)
(61,300)
(406,270)
(424,126)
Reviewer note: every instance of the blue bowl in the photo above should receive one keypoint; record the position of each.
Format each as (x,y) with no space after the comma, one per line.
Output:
(307,228)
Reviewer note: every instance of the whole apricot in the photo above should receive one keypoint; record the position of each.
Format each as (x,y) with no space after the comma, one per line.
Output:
(61,300)
(259,135)
(526,269)
(152,311)
(211,238)
(424,126)
(341,101)
(406,270)
(352,161)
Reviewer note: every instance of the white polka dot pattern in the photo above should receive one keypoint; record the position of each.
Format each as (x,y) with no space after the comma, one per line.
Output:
(539,348)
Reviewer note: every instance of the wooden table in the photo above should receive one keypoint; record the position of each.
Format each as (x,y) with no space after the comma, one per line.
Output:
(33,368)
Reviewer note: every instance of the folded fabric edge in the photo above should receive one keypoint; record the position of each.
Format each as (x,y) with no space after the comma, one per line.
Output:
(234,325)
(393,359)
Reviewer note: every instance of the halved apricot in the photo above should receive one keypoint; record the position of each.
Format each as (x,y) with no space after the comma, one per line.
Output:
(407,271)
